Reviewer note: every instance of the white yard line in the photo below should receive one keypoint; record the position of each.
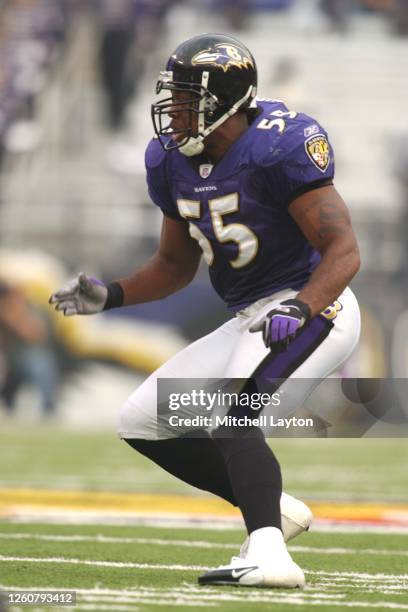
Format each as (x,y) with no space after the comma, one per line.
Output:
(119,564)
(154,566)
(172,600)
(190,590)
(116,540)
(348,551)
(336,578)
(193,544)
(393,588)
(271,600)
(97,599)
(359,575)
(204,596)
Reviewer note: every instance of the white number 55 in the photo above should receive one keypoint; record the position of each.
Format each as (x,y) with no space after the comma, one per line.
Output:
(245,238)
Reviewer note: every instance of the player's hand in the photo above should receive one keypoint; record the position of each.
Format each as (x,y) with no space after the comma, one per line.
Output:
(281,325)
(83,295)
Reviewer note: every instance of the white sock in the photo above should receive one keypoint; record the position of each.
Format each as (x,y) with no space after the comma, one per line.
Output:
(267,545)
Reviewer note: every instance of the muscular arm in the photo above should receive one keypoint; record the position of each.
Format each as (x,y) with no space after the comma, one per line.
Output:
(171,268)
(324,219)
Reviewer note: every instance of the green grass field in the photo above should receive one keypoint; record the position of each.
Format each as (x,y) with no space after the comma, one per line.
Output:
(129,568)
(136,567)
(50,457)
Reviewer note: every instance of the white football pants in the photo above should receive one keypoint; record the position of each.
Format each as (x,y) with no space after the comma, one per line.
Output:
(231,351)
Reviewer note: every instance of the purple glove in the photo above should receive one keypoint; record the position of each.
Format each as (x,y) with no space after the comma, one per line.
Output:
(281,325)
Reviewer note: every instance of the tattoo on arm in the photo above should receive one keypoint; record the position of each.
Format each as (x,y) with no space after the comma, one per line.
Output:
(332,219)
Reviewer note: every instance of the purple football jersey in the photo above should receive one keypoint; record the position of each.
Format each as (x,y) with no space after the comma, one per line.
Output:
(238,208)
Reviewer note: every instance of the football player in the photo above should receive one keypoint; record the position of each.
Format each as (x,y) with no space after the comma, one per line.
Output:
(247,184)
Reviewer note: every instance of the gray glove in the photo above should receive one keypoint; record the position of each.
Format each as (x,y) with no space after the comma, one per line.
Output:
(83,295)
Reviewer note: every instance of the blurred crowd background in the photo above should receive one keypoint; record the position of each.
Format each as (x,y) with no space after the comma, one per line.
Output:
(77,78)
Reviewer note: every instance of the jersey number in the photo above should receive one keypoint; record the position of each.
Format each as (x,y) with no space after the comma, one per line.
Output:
(245,238)
(280,123)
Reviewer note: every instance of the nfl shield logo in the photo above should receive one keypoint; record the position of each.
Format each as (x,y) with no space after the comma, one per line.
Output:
(205,170)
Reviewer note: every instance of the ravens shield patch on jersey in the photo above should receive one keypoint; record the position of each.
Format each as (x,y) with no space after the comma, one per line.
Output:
(318,150)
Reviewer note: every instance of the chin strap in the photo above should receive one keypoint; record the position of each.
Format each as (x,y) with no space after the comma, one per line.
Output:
(195,144)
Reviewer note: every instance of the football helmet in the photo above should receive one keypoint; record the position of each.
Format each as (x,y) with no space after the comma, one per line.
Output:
(220,75)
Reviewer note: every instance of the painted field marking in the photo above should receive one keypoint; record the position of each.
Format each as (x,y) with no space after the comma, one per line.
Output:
(287,601)
(23,514)
(348,551)
(204,596)
(189,592)
(176,567)
(271,600)
(13,499)
(192,544)
(209,597)
(116,502)
(120,564)
(358,575)
(358,588)
(116,540)
(174,600)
